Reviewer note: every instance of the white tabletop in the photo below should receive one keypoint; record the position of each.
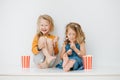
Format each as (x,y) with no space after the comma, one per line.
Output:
(18,71)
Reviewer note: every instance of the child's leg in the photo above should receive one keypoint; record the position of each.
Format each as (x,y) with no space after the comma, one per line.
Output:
(43,65)
(41,42)
(49,58)
(65,59)
(69,65)
(50,46)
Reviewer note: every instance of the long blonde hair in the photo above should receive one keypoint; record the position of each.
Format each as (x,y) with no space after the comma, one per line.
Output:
(80,36)
(49,19)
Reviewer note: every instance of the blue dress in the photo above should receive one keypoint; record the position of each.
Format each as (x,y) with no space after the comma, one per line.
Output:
(78,65)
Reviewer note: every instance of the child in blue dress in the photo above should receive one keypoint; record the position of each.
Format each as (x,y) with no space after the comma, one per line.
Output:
(73,48)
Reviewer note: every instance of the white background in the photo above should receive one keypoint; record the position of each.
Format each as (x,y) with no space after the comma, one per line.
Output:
(100,20)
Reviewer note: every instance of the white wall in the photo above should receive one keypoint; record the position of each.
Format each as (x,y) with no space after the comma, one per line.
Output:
(99,19)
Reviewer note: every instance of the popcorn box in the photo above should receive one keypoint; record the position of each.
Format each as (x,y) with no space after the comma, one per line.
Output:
(25,61)
(87,62)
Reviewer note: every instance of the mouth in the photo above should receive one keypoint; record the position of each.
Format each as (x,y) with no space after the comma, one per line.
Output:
(44,31)
(72,40)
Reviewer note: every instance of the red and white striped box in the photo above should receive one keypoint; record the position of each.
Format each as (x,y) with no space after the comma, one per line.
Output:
(87,62)
(25,61)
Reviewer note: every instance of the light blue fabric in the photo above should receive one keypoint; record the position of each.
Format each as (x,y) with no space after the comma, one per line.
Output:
(39,58)
(78,65)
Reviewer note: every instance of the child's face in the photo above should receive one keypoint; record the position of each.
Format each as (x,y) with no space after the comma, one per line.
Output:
(71,35)
(44,26)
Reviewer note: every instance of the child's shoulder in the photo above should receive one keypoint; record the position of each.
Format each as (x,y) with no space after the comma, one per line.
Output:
(36,36)
(52,36)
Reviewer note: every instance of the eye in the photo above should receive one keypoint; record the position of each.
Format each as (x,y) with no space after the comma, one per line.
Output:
(46,25)
(73,34)
(69,34)
(41,25)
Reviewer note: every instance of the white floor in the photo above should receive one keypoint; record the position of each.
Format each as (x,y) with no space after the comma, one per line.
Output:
(17,73)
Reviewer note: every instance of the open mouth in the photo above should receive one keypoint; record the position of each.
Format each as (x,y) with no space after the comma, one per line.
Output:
(44,31)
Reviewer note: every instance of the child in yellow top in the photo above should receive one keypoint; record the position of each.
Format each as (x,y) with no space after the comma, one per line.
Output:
(45,45)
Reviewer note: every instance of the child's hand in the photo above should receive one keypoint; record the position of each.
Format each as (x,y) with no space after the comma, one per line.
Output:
(55,40)
(69,52)
(72,45)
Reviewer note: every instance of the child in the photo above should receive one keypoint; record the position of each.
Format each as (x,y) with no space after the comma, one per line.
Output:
(45,45)
(73,48)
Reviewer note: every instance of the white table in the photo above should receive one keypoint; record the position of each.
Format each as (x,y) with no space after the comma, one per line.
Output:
(17,73)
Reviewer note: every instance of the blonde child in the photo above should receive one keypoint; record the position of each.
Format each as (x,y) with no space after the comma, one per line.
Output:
(73,48)
(45,45)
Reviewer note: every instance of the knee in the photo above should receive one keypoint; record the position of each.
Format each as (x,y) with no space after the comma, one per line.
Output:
(42,39)
(49,41)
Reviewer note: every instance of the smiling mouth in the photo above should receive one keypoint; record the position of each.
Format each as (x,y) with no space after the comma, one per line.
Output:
(44,31)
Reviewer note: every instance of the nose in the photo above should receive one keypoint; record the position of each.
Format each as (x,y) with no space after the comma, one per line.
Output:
(71,36)
(43,27)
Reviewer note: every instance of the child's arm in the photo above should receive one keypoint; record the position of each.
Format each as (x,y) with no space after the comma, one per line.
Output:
(82,50)
(55,45)
(35,45)
(62,51)
(55,40)
(56,50)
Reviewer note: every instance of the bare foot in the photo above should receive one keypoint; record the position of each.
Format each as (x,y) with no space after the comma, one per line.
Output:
(65,59)
(50,59)
(43,65)
(69,65)
(66,69)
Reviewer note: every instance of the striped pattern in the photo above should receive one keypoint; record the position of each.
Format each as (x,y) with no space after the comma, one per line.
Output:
(25,61)
(87,61)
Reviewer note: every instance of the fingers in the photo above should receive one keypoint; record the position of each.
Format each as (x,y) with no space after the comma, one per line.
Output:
(69,52)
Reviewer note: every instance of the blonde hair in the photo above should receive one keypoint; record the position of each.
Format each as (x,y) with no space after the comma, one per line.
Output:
(80,36)
(49,19)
